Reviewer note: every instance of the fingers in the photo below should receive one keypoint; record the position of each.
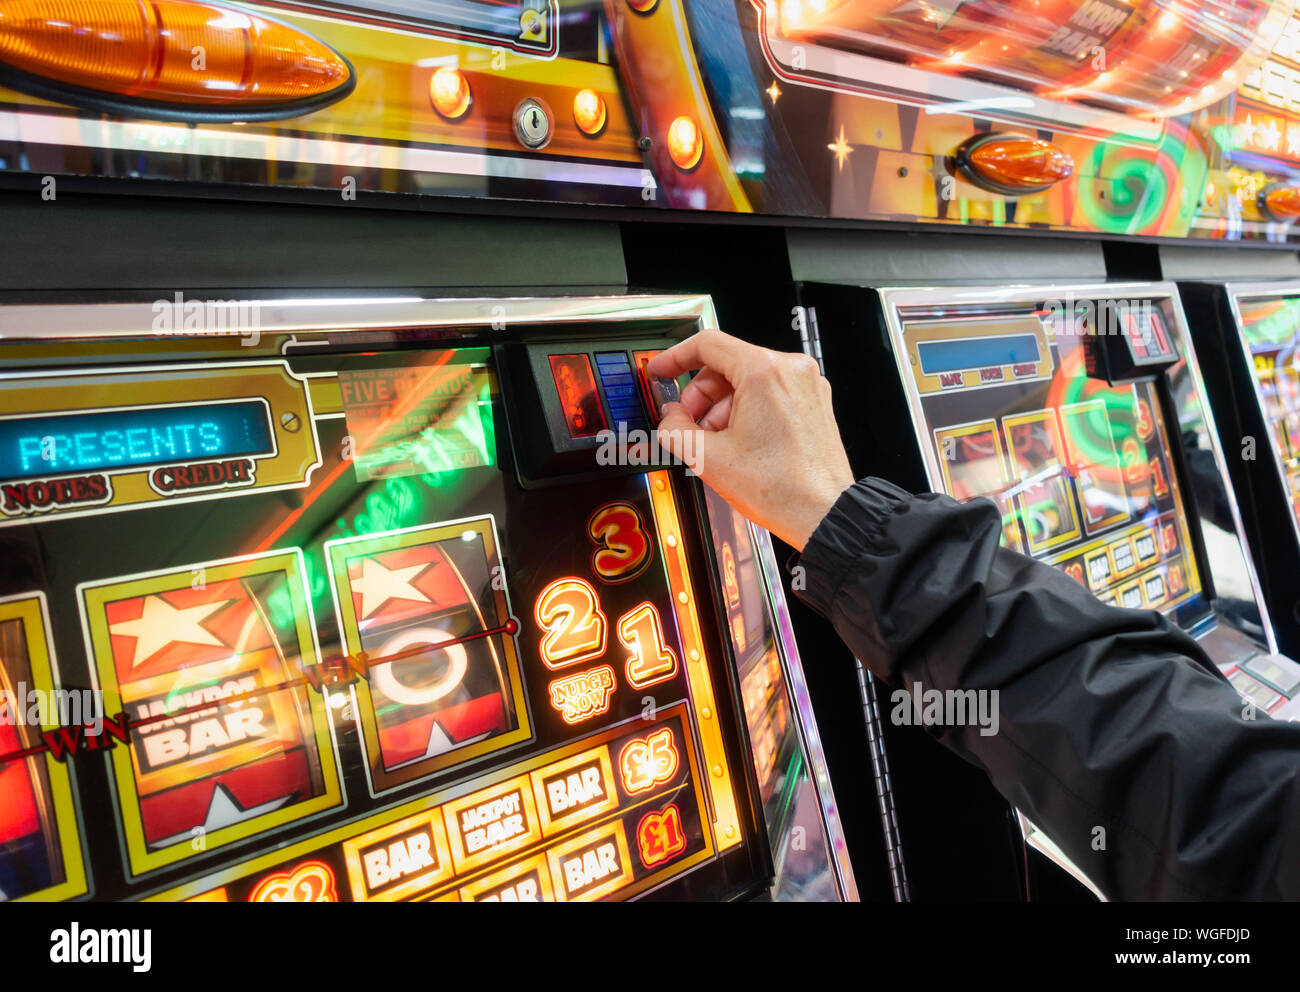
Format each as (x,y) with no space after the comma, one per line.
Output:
(705,390)
(678,432)
(710,348)
(718,416)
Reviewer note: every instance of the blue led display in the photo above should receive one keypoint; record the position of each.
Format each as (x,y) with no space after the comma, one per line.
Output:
(957,354)
(620,389)
(60,444)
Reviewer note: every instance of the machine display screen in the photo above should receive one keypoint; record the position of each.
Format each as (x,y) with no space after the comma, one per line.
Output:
(1271,327)
(84,442)
(373,667)
(1081,470)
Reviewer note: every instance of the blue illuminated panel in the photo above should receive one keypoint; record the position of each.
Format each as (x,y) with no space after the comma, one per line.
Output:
(109,440)
(957,354)
(620,389)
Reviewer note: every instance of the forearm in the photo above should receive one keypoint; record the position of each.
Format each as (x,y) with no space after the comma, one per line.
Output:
(1115,734)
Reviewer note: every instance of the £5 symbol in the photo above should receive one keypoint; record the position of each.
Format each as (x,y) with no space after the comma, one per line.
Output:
(648,761)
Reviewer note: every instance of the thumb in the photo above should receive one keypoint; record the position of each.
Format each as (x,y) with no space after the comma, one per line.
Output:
(683,437)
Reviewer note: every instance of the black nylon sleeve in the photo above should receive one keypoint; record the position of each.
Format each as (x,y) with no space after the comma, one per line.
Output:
(1115,733)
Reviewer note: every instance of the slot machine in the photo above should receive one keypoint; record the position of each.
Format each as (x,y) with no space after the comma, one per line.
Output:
(1081,412)
(1250,330)
(375,600)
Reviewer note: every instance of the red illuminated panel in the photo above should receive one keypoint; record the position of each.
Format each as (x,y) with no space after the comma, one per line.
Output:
(579,400)
(641,359)
(18,817)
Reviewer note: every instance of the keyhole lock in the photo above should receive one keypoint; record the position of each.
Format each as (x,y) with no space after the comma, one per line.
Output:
(533,123)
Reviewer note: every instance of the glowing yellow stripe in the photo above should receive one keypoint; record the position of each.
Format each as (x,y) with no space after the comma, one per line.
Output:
(726,825)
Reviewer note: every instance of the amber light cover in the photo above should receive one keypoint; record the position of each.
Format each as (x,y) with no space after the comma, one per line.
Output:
(1280,201)
(685,143)
(589,112)
(576,385)
(449,91)
(1013,164)
(181,52)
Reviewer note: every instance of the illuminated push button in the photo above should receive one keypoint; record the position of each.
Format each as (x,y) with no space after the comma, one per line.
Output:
(449,91)
(1012,164)
(176,57)
(685,143)
(643,6)
(590,112)
(532,121)
(1280,201)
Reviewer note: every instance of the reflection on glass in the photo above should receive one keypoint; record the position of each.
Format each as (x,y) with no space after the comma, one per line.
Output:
(789,795)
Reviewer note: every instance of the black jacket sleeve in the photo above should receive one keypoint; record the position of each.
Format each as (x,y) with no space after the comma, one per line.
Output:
(1115,734)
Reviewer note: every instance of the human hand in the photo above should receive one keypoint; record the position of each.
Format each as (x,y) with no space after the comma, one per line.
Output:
(757,427)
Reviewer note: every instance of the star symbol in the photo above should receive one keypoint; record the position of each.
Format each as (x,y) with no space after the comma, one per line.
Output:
(774,91)
(224,811)
(161,624)
(841,148)
(378,585)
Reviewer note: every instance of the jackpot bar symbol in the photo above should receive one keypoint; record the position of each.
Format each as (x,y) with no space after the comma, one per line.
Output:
(227,740)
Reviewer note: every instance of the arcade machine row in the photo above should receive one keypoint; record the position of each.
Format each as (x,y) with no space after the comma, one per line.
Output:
(1253,331)
(354,606)
(1080,411)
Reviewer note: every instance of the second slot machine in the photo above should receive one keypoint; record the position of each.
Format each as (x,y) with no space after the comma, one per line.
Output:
(1081,412)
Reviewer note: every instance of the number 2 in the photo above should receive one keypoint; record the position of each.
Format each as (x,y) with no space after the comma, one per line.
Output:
(576,629)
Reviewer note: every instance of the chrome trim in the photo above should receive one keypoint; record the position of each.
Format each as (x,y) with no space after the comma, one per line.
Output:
(202,140)
(809,736)
(311,315)
(1236,291)
(1212,431)
(894,298)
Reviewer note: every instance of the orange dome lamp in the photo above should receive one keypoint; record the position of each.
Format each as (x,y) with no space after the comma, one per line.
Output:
(1012,164)
(167,59)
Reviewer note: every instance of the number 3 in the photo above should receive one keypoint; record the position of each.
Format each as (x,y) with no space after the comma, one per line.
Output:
(622,545)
